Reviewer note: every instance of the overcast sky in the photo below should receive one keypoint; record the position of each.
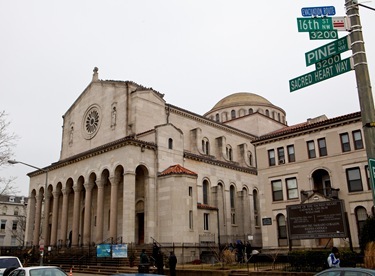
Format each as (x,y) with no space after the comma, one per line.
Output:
(196,52)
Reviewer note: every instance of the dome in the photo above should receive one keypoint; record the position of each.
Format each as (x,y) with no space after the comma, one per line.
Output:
(241,98)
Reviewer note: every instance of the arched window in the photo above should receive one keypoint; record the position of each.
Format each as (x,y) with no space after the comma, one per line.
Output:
(232,197)
(267,113)
(233,114)
(256,207)
(281,226)
(361,217)
(170,143)
(251,111)
(217,117)
(205,191)
(232,192)
(250,158)
(229,153)
(16,211)
(205,146)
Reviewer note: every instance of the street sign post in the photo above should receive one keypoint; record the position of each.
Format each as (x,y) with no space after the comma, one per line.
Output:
(318,11)
(333,48)
(331,34)
(371,165)
(322,74)
(314,24)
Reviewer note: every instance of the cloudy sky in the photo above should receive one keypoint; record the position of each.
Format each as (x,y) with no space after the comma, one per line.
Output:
(195,52)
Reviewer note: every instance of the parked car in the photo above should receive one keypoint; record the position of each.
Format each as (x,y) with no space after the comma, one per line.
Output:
(38,271)
(347,271)
(8,263)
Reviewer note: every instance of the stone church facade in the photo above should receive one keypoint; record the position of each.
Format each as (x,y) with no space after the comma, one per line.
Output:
(134,169)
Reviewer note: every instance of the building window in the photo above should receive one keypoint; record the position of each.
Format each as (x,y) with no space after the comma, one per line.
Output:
(281,155)
(353,176)
(233,114)
(205,192)
(281,227)
(267,113)
(291,153)
(357,138)
(2,240)
(345,144)
(233,218)
(361,217)
(190,191)
(4,210)
(206,146)
(251,111)
(232,193)
(2,226)
(256,207)
(311,149)
(322,147)
(277,190)
(217,117)
(190,219)
(250,158)
(229,153)
(170,143)
(292,189)
(271,157)
(14,225)
(206,221)
(16,211)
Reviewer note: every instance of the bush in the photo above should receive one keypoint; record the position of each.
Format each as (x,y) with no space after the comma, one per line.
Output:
(369,257)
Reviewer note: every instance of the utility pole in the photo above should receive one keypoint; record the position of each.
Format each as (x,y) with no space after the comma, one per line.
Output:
(362,75)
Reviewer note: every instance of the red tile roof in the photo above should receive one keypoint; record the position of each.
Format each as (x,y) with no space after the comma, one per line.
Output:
(177,169)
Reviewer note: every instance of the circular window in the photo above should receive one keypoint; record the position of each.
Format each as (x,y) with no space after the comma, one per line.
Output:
(91,122)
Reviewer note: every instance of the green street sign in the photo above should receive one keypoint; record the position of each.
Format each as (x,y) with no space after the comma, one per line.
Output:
(322,74)
(331,34)
(327,62)
(371,165)
(314,24)
(333,48)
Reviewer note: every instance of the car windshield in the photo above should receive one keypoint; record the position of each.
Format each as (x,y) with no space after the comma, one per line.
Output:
(9,262)
(47,272)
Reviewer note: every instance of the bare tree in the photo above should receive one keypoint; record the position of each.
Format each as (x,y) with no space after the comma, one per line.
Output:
(19,231)
(7,143)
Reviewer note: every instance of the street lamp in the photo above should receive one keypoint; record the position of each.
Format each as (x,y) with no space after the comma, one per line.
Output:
(13,162)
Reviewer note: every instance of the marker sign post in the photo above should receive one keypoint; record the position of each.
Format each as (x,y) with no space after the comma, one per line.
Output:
(371,163)
(324,73)
(331,49)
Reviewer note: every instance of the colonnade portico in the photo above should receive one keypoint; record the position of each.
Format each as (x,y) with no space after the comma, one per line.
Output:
(79,211)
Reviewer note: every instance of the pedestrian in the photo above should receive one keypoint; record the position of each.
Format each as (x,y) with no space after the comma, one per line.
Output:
(333,258)
(160,263)
(155,250)
(248,250)
(172,260)
(143,257)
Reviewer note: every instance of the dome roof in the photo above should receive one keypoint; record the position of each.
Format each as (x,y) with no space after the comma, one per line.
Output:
(242,98)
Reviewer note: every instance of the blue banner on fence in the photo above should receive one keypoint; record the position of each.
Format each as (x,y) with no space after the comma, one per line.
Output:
(119,251)
(103,250)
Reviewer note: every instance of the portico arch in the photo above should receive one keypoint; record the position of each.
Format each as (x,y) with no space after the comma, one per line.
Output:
(141,176)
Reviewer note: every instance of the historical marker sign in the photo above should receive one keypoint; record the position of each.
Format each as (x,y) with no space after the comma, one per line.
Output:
(316,220)
(333,48)
(314,24)
(324,73)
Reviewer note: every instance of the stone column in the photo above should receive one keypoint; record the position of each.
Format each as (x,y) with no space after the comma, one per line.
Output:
(55,213)
(129,207)
(75,231)
(87,222)
(30,220)
(39,199)
(47,203)
(99,212)
(113,214)
(64,215)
